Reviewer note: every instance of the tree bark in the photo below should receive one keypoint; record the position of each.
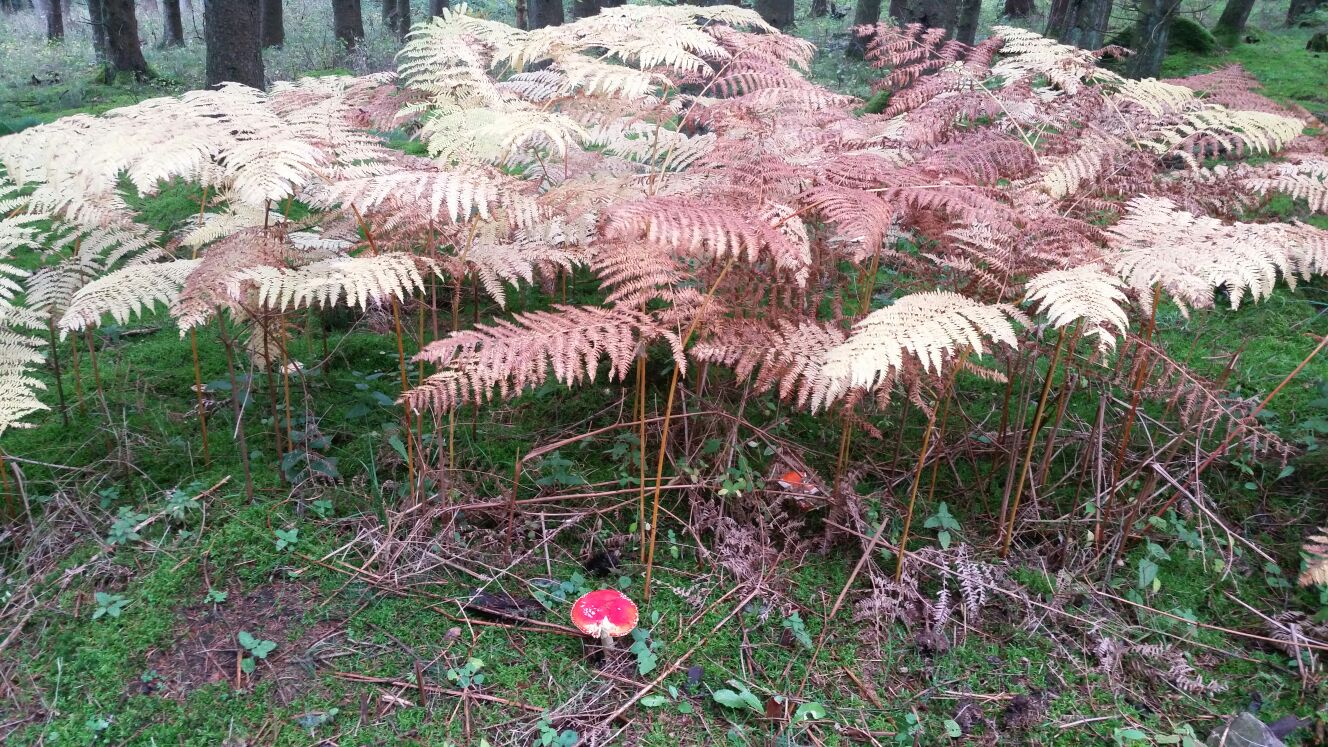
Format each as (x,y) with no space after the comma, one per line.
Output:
(1234,17)
(173,34)
(403,18)
(1300,8)
(777,13)
(545,13)
(585,8)
(436,7)
(390,16)
(1081,23)
(939,14)
(1150,37)
(231,28)
(272,24)
(970,13)
(347,22)
(865,13)
(55,22)
(97,22)
(124,50)
(820,8)
(1019,8)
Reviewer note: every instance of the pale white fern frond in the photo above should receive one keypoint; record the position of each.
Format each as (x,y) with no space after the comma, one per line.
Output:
(1307,180)
(493,135)
(127,292)
(1084,294)
(361,281)
(21,350)
(930,327)
(1316,561)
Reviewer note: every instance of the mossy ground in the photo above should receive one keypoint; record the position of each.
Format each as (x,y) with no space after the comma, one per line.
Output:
(73,679)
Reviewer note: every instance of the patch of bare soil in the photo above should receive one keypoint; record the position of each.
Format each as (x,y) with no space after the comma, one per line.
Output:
(205,649)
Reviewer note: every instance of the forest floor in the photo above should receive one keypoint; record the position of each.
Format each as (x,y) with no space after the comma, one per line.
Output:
(148,601)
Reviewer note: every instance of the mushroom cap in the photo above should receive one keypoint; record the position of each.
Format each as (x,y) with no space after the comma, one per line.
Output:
(791,479)
(604,612)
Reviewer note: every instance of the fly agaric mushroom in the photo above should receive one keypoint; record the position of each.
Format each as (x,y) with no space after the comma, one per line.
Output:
(605,614)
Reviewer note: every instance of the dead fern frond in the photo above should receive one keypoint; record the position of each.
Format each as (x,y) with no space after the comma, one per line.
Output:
(1084,294)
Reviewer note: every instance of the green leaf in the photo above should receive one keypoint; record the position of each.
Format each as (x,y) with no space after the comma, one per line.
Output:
(654,701)
(247,665)
(806,711)
(685,707)
(1130,735)
(1147,573)
(952,729)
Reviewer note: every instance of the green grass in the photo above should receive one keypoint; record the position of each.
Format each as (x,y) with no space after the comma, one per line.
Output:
(1279,60)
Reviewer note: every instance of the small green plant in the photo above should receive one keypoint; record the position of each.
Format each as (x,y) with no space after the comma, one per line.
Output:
(180,503)
(124,529)
(286,538)
(551,737)
(257,649)
(468,674)
(912,731)
(740,697)
(657,700)
(644,647)
(555,471)
(796,628)
(322,508)
(551,592)
(109,605)
(943,523)
(215,596)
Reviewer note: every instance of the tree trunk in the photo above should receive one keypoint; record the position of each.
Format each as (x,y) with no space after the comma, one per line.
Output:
(231,28)
(866,13)
(585,8)
(436,7)
(97,22)
(347,22)
(1300,8)
(55,23)
(124,51)
(403,18)
(545,13)
(272,24)
(970,13)
(173,35)
(938,14)
(820,8)
(1150,37)
(1019,8)
(777,13)
(1081,23)
(390,16)
(1234,17)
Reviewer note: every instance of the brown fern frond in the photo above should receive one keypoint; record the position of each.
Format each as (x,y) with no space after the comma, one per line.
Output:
(505,358)
(786,355)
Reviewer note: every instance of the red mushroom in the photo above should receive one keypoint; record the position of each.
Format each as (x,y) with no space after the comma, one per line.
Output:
(605,614)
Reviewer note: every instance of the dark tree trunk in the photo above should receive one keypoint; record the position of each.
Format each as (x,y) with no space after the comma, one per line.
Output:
(347,22)
(272,24)
(865,13)
(1019,8)
(403,18)
(97,20)
(777,13)
(124,51)
(55,22)
(1234,17)
(231,28)
(939,14)
(174,21)
(436,7)
(820,8)
(390,16)
(1150,37)
(545,13)
(1300,8)
(585,8)
(1081,23)
(969,14)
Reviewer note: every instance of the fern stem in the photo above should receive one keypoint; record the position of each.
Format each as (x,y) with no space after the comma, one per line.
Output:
(55,363)
(198,389)
(241,440)
(76,366)
(1136,391)
(1032,443)
(272,393)
(640,412)
(285,376)
(1062,400)
(96,368)
(664,430)
(405,407)
(922,463)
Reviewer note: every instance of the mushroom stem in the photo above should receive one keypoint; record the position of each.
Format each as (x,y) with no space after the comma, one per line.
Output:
(607,640)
